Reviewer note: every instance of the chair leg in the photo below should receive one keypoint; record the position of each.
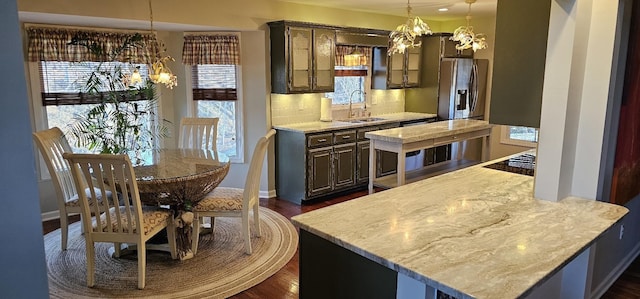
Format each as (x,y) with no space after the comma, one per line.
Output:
(90,250)
(256,220)
(64,229)
(195,236)
(171,236)
(246,234)
(117,249)
(142,264)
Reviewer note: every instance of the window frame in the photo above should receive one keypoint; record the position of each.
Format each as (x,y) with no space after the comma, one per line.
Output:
(505,138)
(192,107)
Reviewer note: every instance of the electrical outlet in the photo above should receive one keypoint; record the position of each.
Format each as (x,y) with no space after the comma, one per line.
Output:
(621,231)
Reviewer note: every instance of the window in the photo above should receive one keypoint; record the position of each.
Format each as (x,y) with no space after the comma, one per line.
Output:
(350,83)
(61,83)
(215,94)
(522,136)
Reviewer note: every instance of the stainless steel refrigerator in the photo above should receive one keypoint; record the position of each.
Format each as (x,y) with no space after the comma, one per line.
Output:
(462,93)
(463,88)
(453,85)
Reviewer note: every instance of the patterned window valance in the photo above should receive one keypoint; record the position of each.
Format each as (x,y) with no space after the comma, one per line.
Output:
(342,50)
(53,44)
(211,49)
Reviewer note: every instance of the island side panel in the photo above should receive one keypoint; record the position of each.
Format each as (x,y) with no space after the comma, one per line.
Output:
(290,166)
(330,271)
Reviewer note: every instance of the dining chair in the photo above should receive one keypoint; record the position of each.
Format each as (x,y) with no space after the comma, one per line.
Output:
(120,221)
(198,133)
(235,202)
(52,144)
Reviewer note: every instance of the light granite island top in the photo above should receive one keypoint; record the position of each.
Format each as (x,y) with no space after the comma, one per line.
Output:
(473,233)
(407,139)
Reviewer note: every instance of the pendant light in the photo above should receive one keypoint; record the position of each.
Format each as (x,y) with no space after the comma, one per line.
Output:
(465,36)
(159,72)
(405,35)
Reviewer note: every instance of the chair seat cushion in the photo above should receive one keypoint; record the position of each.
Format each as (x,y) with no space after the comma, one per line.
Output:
(221,199)
(74,201)
(152,217)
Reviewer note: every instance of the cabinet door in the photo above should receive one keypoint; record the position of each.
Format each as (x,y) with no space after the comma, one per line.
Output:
(345,164)
(324,59)
(300,58)
(362,169)
(395,67)
(387,163)
(413,67)
(319,171)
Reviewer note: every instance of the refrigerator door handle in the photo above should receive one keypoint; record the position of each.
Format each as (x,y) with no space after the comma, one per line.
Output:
(473,85)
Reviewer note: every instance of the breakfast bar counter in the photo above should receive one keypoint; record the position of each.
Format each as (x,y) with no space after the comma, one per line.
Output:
(472,233)
(406,139)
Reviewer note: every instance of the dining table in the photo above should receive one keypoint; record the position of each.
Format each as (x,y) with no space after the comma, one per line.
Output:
(179,179)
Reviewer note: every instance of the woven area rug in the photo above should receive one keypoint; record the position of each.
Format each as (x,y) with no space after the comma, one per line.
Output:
(220,269)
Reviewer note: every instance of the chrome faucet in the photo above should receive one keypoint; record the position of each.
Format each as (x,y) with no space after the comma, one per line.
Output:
(351,102)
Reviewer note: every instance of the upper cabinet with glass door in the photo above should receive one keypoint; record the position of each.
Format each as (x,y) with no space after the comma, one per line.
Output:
(302,58)
(398,70)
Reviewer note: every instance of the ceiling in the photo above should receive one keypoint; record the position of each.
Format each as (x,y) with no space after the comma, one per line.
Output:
(426,9)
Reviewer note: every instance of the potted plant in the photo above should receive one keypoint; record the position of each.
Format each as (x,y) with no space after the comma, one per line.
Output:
(121,120)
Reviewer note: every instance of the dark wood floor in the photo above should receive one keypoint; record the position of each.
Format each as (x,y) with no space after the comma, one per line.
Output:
(284,284)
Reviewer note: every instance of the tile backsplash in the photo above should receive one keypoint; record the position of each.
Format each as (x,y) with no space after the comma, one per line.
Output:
(299,108)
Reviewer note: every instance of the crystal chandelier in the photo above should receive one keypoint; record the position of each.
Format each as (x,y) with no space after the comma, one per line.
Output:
(465,36)
(159,71)
(405,34)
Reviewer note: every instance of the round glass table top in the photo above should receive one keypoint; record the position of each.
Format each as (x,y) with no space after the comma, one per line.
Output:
(179,177)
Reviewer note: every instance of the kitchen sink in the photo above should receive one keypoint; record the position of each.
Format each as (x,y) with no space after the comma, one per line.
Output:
(362,120)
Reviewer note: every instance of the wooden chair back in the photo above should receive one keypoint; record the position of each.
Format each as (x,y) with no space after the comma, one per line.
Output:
(52,144)
(198,133)
(252,184)
(112,173)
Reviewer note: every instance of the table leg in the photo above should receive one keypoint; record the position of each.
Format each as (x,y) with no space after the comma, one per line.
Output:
(372,165)
(486,148)
(402,155)
(184,230)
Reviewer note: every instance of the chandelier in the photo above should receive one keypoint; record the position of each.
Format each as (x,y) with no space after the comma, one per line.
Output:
(405,34)
(159,71)
(465,36)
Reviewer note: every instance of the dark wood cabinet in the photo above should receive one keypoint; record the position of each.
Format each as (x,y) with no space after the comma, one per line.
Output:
(320,171)
(316,165)
(398,70)
(344,165)
(362,168)
(302,57)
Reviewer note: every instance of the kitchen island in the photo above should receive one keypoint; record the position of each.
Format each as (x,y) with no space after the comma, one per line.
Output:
(472,233)
(406,139)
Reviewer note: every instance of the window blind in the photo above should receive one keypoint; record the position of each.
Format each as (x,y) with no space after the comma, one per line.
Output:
(214,82)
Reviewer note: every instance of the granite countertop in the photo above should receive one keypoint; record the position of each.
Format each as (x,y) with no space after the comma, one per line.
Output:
(321,126)
(473,233)
(428,131)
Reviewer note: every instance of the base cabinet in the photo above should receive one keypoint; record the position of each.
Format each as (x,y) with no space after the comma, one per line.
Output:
(316,165)
(331,168)
(320,171)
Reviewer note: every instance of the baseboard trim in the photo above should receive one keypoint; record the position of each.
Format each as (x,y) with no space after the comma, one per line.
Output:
(50,215)
(267,194)
(615,274)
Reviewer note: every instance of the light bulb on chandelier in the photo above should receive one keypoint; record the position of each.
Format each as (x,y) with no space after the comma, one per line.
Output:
(465,36)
